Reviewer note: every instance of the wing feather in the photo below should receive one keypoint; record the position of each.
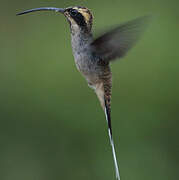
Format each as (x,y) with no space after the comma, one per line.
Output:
(117,42)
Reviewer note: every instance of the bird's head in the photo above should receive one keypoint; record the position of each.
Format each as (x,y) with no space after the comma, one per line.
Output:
(80,18)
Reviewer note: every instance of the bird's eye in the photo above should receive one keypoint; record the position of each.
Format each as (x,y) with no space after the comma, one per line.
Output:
(73,12)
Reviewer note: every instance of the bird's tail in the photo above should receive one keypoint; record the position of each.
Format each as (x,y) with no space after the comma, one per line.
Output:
(107,111)
(103,92)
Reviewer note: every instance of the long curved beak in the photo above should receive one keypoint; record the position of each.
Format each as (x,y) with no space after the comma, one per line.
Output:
(61,10)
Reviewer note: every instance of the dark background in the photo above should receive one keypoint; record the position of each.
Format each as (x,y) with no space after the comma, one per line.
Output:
(51,124)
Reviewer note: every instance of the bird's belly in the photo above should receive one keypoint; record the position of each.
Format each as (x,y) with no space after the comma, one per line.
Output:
(89,70)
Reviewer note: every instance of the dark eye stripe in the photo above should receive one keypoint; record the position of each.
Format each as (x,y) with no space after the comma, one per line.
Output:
(78,17)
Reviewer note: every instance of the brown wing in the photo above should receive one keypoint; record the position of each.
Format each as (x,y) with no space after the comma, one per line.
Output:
(116,43)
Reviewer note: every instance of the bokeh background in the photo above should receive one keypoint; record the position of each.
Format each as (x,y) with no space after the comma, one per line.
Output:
(51,124)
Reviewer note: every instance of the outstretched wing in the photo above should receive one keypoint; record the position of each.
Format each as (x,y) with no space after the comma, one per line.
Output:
(117,42)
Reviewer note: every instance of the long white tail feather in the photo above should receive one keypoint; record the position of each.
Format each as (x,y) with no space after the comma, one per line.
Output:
(113,150)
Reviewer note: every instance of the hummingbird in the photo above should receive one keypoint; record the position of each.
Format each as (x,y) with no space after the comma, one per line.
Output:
(93,56)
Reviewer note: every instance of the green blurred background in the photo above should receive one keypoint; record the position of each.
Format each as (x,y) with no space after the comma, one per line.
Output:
(51,124)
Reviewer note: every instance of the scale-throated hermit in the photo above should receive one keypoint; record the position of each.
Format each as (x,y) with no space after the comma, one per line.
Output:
(93,56)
